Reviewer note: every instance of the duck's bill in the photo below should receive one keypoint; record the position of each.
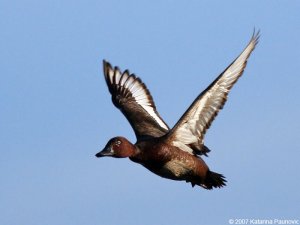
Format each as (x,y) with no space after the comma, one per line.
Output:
(104,152)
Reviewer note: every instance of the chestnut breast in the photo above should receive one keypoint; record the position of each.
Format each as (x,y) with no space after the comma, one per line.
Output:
(168,161)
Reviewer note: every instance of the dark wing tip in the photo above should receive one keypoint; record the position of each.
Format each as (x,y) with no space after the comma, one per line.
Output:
(106,64)
(126,72)
(255,36)
(106,68)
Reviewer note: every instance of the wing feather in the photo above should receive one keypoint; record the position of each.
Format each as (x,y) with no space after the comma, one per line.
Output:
(188,133)
(132,97)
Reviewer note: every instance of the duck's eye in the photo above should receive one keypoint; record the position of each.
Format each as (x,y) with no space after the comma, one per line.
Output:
(118,142)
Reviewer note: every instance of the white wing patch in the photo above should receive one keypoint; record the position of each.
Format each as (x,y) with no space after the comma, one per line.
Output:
(137,90)
(192,126)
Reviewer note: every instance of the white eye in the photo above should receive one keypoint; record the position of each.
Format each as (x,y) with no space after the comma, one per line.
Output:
(118,142)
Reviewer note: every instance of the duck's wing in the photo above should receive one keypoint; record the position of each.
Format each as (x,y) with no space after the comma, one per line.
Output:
(131,96)
(188,133)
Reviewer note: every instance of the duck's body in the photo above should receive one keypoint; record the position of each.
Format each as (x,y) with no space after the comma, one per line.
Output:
(168,161)
(172,163)
(171,153)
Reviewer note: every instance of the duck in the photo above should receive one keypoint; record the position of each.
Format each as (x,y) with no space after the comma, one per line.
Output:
(173,153)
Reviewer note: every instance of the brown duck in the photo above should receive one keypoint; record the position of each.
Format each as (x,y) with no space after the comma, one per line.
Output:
(171,153)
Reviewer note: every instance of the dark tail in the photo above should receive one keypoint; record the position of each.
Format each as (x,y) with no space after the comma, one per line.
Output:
(213,180)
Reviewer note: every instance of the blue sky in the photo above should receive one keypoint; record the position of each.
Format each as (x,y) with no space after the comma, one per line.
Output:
(56,112)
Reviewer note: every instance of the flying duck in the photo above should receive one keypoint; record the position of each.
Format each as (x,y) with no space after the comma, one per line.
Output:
(171,153)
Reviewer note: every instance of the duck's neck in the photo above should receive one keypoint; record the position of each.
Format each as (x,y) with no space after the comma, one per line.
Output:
(128,150)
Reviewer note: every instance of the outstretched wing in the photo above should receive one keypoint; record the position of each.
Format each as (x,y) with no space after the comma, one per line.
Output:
(188,133)
(132,97)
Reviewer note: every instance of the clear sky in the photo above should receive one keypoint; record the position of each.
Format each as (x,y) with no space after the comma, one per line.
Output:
(56,111)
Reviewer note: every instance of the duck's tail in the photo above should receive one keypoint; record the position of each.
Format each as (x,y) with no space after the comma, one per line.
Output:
(212,180)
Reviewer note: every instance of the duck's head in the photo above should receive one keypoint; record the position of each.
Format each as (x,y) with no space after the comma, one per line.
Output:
(117,147)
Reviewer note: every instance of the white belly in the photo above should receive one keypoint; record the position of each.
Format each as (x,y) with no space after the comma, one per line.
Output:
(176,170)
